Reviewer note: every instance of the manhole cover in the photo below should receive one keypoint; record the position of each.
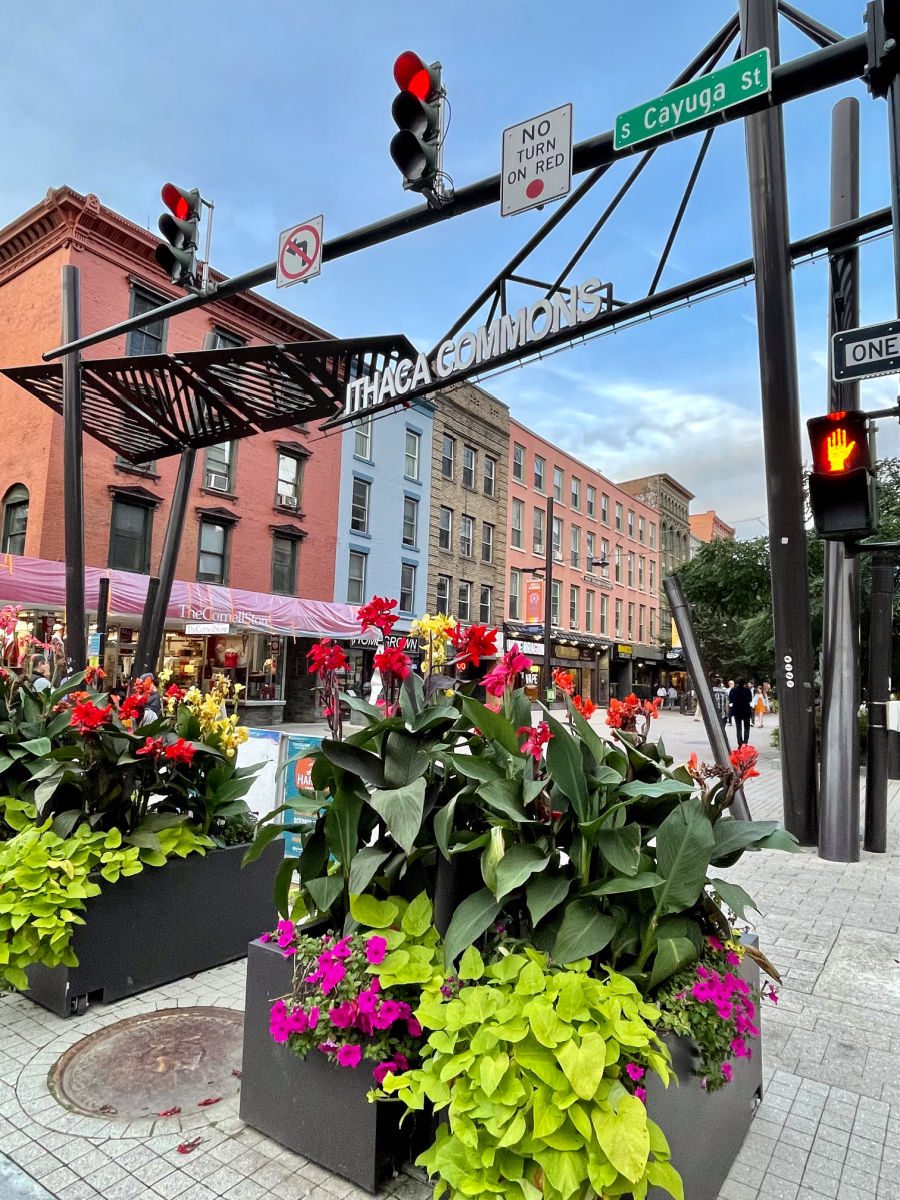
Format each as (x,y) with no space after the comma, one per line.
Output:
(176,1058)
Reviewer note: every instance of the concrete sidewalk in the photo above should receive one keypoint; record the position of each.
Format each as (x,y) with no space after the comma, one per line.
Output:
(829,1125)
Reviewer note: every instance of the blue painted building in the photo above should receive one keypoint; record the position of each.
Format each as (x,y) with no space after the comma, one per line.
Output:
(384,518)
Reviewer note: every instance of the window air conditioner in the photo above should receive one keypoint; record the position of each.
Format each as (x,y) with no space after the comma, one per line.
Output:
(287,501)
(217,482)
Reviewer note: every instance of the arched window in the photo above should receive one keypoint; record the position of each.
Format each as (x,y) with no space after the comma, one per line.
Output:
(15,519)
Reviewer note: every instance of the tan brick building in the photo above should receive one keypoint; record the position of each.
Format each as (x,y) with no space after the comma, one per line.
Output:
(467,541)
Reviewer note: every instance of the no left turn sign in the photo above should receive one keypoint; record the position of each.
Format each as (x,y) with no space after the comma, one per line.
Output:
(299,253)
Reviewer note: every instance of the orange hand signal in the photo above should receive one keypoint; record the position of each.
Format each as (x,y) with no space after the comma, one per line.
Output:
(838,450)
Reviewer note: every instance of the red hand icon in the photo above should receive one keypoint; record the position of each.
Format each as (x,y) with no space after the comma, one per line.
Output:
(838,450)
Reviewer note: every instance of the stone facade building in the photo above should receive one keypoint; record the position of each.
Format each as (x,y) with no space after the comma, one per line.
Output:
(469,483)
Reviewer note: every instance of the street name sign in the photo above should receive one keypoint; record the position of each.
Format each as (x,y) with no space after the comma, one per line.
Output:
(866,353)
(299,253)
(537,161)
(739,81)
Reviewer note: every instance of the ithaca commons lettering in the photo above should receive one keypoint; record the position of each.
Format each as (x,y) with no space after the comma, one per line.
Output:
(461,356)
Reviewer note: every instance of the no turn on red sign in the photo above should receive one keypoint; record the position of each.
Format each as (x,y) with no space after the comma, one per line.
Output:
(299,253)
(537,161)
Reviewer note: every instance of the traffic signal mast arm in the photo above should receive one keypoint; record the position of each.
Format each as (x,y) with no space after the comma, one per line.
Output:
(839,63)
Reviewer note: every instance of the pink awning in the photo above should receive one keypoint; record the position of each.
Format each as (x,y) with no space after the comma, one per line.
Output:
(40,583)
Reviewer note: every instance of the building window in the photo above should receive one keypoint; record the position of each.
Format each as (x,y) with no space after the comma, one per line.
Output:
(590,550)
(490,475)
(589,611)
(537,532)
(641,564)
(223,340)
(604,556)
(284,565)
(538,473)
(642,529)
(448,456)
(630,569)
(464,605)
(151,338)
(487,542)
(213,547)
(407,587)
(618,618)
(604,614)
(642,619)
(591,504)
(518,521)
(466,535)
(15,519)
(558,483)
(468,470)
(618,564)
(129,536)
(218,467)
(485,603)
(290,473)
(519,463)
(652,576)
(515,594)
(359,506)
(362,440)
(618,518)
(573,606)
(604,508)
(442,594)
(576,493)
(631,622)
(652,624)
(557,538)
(445,529)
(411,462)
(410,521)
(630,523)
(356,578)
(652,536)
(555,603)
(575,550)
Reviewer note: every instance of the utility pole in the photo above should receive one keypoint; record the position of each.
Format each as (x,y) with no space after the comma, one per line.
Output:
(764,136)
(839,778)
(73,473)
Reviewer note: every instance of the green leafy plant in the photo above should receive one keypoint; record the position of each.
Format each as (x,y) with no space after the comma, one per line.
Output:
(538,1069)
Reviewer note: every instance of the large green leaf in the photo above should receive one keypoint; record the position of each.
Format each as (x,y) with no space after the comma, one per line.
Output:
(404,760)
(494,727)
(282,888)
(598,746)
(684,843)
(583,1064)
(671,955)
(475,766)
(469,922)
(584,931)
(621,847)
(624,883)
(364,868)
(37,746)
(324,891)
(565,768)
(401,810)
(662,787)
(733,836)
(443,827)
(505,797)
(735,897)
(544,892)
(363,763)
(517,865)
(431,716)
(624,1137)
(412,695)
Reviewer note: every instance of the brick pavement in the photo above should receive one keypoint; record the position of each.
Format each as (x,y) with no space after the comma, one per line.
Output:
(828,1127)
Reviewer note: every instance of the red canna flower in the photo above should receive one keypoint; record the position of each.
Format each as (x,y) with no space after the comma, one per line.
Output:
(564,680)
(152,746)
(744,761)
(393,661)
(94,674)
(325,657)
(377,613)
(538,737)
(174,692)
(506,672)
(473,643)
(132,708)
(88,718)
(181,751)
(587,708)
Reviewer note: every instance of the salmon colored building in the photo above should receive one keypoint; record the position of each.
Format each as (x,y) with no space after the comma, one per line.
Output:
(605,585)
(262,516)
(708,527)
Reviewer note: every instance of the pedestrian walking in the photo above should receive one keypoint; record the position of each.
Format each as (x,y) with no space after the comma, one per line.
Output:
(673,697)
(661,695)
(740,704)
(760,706)
(729,714)
(40,673)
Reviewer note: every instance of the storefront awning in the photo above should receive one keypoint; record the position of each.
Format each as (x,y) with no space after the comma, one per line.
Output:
(561,637)
(41,583)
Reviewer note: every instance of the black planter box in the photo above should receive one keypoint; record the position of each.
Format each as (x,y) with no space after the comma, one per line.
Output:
(163,924)
(705,1130)
(310,1105)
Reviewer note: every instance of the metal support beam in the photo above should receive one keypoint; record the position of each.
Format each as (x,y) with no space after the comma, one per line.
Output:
(548,602)
(169,556)
(102,616)
(715,731)
(764,135)
(839,770)
(881,620)
(143,661)
(73,473)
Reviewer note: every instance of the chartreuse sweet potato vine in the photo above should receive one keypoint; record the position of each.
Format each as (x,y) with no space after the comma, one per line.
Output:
(537,1066)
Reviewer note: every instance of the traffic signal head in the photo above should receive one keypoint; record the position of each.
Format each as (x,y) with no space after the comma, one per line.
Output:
(417,113)
(179,226)
(842,491)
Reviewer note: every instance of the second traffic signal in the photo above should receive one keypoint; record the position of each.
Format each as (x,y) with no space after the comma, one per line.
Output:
(842,492)
(179,226)
(417,112)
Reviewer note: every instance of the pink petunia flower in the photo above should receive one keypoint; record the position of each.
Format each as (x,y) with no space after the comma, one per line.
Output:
(376,948)
(635,1072)
(349,1056)
(727,1072)
(641,1094)
(413,1028)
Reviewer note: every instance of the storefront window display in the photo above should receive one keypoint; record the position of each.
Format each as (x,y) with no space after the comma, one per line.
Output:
(254,661)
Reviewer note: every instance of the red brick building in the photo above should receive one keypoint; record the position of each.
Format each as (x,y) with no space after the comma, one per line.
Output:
(263,511)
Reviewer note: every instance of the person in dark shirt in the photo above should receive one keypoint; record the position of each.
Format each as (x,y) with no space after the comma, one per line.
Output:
(740,703)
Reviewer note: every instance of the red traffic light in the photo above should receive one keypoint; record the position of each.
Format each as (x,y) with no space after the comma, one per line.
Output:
(182,205)
(839,442)
(413,75)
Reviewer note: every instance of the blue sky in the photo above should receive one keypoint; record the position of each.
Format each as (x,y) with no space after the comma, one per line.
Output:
(287,113)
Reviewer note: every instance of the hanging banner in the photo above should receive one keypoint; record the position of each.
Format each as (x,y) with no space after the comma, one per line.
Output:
(534,601)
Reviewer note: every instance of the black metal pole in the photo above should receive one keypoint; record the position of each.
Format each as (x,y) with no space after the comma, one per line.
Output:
(881,619)
(548,601)
(171,546)
(143,660)
(73,474)
(764,135)
(715,731)
(102,616)
(839,770)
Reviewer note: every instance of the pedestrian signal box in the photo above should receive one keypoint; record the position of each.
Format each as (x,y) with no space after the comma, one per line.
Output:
(842,491)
